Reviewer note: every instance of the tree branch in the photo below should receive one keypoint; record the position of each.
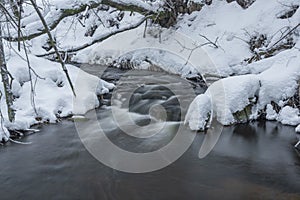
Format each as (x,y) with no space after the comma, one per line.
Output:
(96,40)
(70,12)
(53,44)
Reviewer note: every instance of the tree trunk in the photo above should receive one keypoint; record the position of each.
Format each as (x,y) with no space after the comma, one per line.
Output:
(6,82)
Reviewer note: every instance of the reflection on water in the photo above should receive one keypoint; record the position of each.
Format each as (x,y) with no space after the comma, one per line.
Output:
(57,166)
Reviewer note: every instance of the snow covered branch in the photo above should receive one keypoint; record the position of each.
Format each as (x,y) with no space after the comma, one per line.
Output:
(66,12)
(99,39)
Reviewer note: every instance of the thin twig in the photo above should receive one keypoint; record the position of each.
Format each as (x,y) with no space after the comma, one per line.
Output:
(53,45)
(213,43)
(291,31)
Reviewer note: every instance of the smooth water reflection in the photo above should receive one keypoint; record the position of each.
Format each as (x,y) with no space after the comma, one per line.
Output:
(249,161)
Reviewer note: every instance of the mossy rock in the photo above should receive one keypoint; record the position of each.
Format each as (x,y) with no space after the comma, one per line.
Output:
(243,115)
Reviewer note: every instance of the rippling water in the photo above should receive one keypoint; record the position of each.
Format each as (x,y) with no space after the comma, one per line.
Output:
(250,161)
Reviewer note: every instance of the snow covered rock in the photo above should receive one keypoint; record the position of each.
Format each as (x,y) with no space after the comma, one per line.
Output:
(271,113)
(298,129)
(4,134)
(289,116)
(248,95)
(228,96)
(202,105)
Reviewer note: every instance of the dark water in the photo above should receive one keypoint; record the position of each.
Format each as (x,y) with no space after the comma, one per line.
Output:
(251,161)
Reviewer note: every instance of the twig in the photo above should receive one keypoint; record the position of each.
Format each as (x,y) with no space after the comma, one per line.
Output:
(53,45)
(191,49)
(98,17)
(19,25)
(291,31)
(18,142)
(213,43)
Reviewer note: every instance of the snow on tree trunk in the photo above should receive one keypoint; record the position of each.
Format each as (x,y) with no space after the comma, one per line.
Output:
(6,82)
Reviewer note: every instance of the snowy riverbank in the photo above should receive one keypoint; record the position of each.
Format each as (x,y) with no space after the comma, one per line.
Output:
(254,51)
(254,47)
(47,97)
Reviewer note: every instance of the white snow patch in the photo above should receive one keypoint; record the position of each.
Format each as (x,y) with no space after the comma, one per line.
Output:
(228,96)
(289,116)
(202,105)
(298,129)
(271,113)
(52,95)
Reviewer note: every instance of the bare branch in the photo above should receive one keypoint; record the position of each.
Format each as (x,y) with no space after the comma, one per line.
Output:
(100,39)
(210,42)
(291,31)
(53,45)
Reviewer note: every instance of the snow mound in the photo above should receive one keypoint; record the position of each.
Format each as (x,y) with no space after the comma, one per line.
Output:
(48,96)
(289,116)
(271,113)
(234,26)
(228,96)
(298,129)
(249,95)
(202,104)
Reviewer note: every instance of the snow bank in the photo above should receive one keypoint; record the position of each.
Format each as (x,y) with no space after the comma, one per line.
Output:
(235,94)
(52,97)
(228,96)
(274,80)
(289,116)
(168,55)
(234,27)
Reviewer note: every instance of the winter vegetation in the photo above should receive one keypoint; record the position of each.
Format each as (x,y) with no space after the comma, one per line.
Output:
(253,46)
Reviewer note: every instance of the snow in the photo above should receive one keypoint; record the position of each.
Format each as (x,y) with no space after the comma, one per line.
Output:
(52,98)
(289,116)
(233,26)
(168,54)
(254,85)
(298,129)
(227,96)
(271,113)
(202,104)
(281,80)
(276,84)
(274,79)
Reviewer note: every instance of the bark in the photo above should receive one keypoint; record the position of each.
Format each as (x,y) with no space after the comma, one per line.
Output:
(6,82)
(14,7)
(19,24)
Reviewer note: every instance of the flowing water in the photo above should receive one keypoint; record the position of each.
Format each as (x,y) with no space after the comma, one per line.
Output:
(250,161)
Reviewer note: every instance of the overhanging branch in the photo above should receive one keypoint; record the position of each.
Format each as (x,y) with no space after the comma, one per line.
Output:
(70,12)
(100,39)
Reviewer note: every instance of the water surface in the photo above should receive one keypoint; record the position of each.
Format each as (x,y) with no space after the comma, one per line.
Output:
(250,161)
